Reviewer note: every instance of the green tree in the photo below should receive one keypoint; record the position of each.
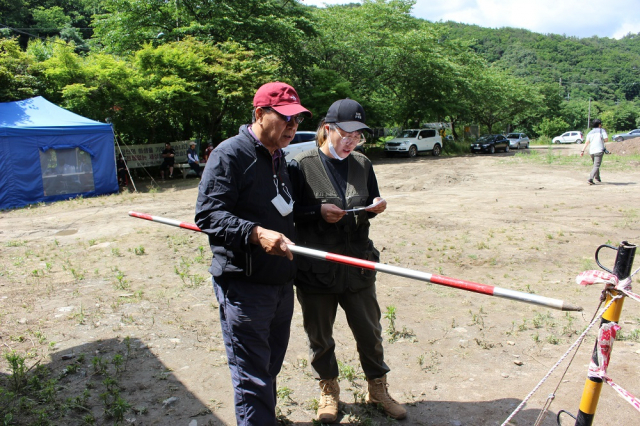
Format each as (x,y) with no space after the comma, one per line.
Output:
(405,71)
(575,113)
(275,29)
(18,77)
(551,127)
(498,98)
(624,116)
(323,87)
(171,92)
(68,19)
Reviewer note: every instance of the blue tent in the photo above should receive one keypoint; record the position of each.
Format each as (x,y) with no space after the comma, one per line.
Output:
(48,153)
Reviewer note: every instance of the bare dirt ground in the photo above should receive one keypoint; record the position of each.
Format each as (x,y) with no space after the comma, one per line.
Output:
(81,283)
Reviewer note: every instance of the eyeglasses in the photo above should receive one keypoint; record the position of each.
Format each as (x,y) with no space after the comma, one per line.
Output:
(299,118)
(351,137)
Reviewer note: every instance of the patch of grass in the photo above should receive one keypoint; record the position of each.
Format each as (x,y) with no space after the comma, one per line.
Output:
(553,339)
(14,243)
(629,219)
(484,344)
(349,372)
(33,395)
(429,361)
(523,326)
(548,156)
(121,282)
(633,335)
(284,394)
(477,319)
(393,333)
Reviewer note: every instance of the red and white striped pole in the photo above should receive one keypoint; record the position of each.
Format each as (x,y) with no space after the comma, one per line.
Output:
(403,272)
(166,221)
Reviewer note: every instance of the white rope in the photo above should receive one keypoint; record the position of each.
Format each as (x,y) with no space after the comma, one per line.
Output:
(562,358)
(125,164)
(143,168)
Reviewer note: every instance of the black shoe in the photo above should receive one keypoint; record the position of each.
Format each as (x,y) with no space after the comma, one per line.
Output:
(598,180)
(590,182)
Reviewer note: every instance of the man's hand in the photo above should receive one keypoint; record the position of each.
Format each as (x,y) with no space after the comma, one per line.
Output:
(272,242)
(331,213)
(378,208)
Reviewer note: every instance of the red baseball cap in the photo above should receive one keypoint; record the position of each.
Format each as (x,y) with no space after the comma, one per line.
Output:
(281,97)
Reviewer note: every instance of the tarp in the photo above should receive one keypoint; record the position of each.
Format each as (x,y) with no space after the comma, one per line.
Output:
(48,153)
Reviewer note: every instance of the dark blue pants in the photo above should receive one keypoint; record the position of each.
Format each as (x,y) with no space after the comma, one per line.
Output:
(196,168)
(255,321)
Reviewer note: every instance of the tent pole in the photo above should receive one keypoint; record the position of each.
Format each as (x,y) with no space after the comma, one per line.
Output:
(116,137)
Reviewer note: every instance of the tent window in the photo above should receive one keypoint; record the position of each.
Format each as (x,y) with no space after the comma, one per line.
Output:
(66,171)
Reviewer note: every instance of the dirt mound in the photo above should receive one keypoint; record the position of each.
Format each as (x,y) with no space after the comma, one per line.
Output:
(628,147)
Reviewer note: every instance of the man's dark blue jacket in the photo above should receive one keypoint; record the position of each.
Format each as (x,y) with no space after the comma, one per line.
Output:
(234,196)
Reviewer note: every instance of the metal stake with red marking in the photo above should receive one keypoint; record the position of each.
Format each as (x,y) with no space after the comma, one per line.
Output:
(403,272)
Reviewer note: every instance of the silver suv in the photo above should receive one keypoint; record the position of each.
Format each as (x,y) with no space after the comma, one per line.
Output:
(518,140)
(412,141)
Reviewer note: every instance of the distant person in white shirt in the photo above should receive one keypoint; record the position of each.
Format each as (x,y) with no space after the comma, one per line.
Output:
(596,137)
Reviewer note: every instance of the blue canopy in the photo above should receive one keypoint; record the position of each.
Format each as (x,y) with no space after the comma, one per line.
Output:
(48,153)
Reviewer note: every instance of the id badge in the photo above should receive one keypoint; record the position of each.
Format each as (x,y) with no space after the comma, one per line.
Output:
(283,207)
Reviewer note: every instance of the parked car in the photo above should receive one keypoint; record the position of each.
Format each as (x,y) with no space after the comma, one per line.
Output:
(573,136)
(302,141)
(518,140)
(413,141)
(490,144)
(624,136)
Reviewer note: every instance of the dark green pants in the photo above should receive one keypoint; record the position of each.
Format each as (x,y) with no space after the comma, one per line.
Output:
(363,316)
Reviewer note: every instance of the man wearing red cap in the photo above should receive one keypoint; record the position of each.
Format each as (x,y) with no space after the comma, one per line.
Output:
(245,206)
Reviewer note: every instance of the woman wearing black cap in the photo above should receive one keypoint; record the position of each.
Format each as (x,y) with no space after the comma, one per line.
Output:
(336,193)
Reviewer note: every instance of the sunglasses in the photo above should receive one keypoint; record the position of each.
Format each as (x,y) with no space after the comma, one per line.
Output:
(298,118)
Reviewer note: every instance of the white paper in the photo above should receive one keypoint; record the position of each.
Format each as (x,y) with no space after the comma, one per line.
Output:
(364,208)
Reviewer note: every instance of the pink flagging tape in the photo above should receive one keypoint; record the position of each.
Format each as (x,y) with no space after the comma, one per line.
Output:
(606,337)
(623,393)
(596,277)
(601,277)
(634,296)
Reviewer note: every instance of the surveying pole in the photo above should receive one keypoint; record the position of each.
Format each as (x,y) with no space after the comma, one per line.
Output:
(593,385)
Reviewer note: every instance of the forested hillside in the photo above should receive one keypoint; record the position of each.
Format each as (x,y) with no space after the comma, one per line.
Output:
(600,68)
(166,70)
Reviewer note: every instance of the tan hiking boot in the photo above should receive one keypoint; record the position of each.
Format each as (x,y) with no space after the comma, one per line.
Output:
(329,399)
(378,394)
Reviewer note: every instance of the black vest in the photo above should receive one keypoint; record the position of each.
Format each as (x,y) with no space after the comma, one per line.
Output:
(349,236)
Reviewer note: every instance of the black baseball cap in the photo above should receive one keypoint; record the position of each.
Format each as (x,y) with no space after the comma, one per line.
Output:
(348,115)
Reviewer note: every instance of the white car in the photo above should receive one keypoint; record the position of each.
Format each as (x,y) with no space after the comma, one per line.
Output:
(413,141)
(573,136)
(302,141)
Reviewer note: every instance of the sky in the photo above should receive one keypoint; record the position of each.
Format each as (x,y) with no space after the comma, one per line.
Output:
(579,18)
